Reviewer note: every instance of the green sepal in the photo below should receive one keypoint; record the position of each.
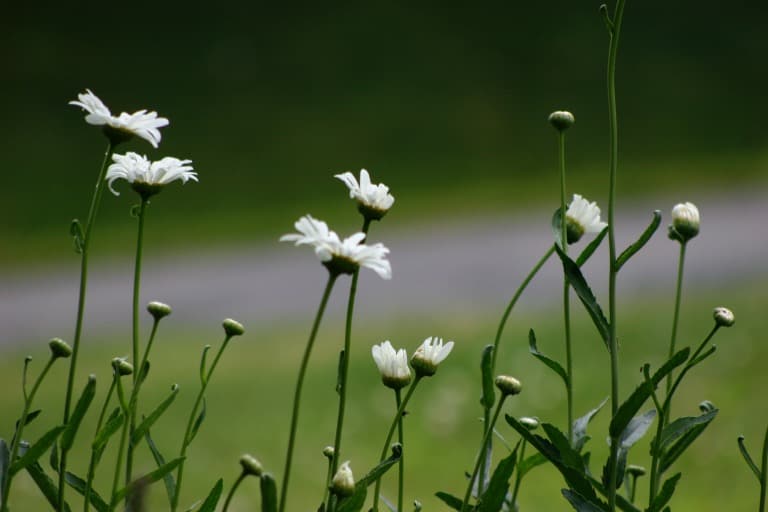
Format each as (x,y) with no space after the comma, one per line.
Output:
(551,363)
(151,477)
(49,489)
(209,505)
(450,500)
(493,497)
(83,403)
(665,494)
(580,425)
(78,238)
(35,451)
(486,374)
(150,420)
(582,504)
(168,480)
(591,247)
(268,493)
(79,485)
(644,237)
(112,425)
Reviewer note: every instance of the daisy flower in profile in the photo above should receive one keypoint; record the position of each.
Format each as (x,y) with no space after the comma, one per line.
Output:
(340,256)
(393,365)
(120,128)
(686,221)
(429,355)
(373,201)
(148,178)
(582,217)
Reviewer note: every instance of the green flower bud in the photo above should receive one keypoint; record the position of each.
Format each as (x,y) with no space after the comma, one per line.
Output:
(233,327)
(530,423)
(251,466)
(508,385)
(723,317)
(343,483)
(685,222)
(635,471)
(60,348)
(706,406)
(561,120)
(328,452)
(158,310)
(122,367)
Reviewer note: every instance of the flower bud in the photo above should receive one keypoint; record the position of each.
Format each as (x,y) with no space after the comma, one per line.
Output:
(706,406)
(122,367)
(328,451)
(416,506)
(530,423)
(59,348)
(723,317)
(233,327)
(158,310)
(251,466)
(343,483)
(635,471)
(685,222)
(561,120)
(508,385)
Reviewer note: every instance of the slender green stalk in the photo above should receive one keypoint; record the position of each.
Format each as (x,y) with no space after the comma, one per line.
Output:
(764,473)
(14,451)
(344,370)
(92,212)
(187,439)
(232,491)
(395,422)
(633,489)
(675,318)
(518,477)
(401,463)
(327,490)
(481,455)
(121,448)
(134,403)
(92,461)
(299,385)
(613,166)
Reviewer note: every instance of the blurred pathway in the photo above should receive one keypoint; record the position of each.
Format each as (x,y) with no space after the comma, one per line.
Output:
(460,266)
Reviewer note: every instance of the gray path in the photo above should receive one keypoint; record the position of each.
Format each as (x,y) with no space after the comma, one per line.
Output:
(459,266)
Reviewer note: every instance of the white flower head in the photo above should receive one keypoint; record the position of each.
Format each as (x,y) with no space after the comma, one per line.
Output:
(340,256)
(429,355)
(373,201)
(582,217)
(121,128)
(686,222)
(146,177)
(343,483)
(393,365)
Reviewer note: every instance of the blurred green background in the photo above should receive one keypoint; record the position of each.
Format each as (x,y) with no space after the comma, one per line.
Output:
(447,105)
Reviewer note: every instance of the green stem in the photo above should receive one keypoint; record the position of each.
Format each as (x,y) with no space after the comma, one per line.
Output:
(487,454)
(395,421)
(121,448)
(481,456)
(186,440)
(14,451)
(299,385)
(232,491)
(566,288)
(675,318)
(92,461)
(401,463)
(633,489)
(135,345)
(518,478)
(92,211)
(764,473)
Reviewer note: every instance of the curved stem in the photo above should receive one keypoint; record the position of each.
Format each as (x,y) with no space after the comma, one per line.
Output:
(121,448)
(675,318)
(764,473)
(395,421)
(518,478)
(92,211)
(299,385)
(14,451)
(92,461)
(566,288)
(401,463)
(481,456)
(232,491)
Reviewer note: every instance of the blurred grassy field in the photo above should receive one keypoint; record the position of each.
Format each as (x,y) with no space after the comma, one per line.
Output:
(249,400)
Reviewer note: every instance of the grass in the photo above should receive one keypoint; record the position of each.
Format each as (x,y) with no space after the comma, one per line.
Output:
(249,400)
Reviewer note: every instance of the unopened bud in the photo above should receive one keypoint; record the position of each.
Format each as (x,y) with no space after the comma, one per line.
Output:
(530,423)
(328,451)
(343,483)
(122,367)
(60,348)
(706,406)
(723,317)
(635,471)
(158,310)
(233,327)
(508,385)
(685,222)
(251,465)
(416,506)
(561,120)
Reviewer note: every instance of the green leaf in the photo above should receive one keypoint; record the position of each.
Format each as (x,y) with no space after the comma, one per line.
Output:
(151,477)
(202,364)
(665,494)
(53,460)
(76,231)
(486,373)
(113,424)
(150,420)
(747,458)
(37,450)
(144,372)
(621,502)
(170,482)
(580,286)
(711,350)
(209,505)
(580,436)
(30,418)
(450,500)
(4,460)
(677,449)
(68,436)
(353,503)
(569,456)
(46,486)
(198,422)
(493,497)
(644,237)
(529,463)
(636,429)
(268,493)
(681,426)
(591,248)
(79,485)
(551,363)
(582,504)
(381,468)
(556,224)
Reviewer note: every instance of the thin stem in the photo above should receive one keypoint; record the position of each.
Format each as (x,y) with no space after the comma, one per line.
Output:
(633,489)
(299,384)
(92,461)
(186,440)
(134,403)
(676,316)
(566,288)
(121,448)
(401,463)
(92,211)
(487,454)
(6,487)
(764,473)
(518,478)
(481,455)
(395,421)
(232,491)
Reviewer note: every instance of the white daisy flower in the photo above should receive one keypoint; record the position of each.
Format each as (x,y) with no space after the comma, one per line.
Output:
(582,217)
(340,256)
(121,128)
(686,220)
(373,201)
(146,177)
(429,355)
(393,365)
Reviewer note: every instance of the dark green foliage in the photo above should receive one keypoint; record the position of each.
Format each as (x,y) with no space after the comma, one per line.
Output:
(551,363)
(150,420)
(450,500)
(209,505)
(667,490)
(83,403)
(151,477)
(493,497)
(644,237)
(268,493)
(46,485)
(35,451)
(168,480)
(580,425)
(486,372)
(79,485)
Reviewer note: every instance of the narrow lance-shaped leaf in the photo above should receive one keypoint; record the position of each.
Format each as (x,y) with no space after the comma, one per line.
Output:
(209,505)
(168,480)
(580,436)
(677,449)
(486,373)
(30,418)
(112,425)
(681,426)
(644,237)
(529,463)
(748,459)
(493,497)
(46,486)
(198,422)
(450,500)
(268,493)
(582,504)
(667,490)
(632,433)
(151,477)
(4,460)
(36,450)
(79,485)
(203,376)
(53,460)
(551,363)
(150,420)
(68,436)
(591,248)
(76,231)
(381,468)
